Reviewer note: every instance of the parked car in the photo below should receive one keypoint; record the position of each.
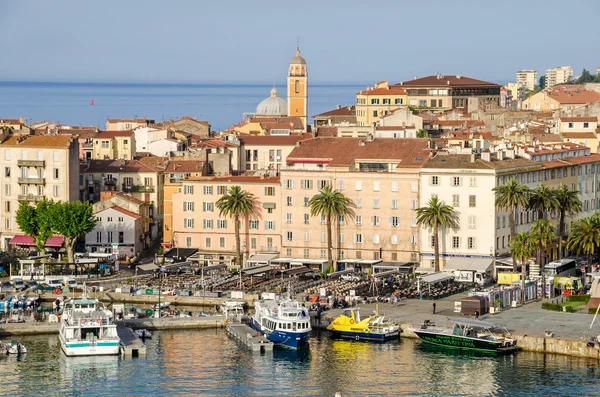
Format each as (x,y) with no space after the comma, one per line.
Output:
(55,283)
(350,277)
(6,285)
(311,276)
(32,284)
(19,284)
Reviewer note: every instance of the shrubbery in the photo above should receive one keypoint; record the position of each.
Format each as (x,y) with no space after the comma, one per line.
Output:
(579,298)
(552,306)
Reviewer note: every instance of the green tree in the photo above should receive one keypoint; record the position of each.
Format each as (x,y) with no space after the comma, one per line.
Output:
(72,220)
(435,215)
(584,236)
(522,247)
(330,203)
(543,200)
(235,204)
(509,197)
(586,77)
(568,203)
(35,223)
(542,82)
(543,235)
(422,133)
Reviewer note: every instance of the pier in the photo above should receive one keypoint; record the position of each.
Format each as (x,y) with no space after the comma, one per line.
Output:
(131,345)
(253,340)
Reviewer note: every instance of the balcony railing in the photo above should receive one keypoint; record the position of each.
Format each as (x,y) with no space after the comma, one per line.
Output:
(37,181)
(110,182)
(268,249)
(138,189)
(88,145)
(30,197)
(31,163)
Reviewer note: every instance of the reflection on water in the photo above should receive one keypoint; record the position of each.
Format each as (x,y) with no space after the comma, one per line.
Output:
(208,363)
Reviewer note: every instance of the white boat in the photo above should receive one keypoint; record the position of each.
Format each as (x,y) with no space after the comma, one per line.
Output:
(143,334)
(163,305)
(15,347)
(233,311)
(88,329)
(285,323)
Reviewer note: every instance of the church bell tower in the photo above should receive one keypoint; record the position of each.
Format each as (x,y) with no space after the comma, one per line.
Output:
(297,81)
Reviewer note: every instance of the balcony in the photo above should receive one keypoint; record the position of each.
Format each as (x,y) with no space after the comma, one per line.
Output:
(138,189)
(30,197)
(35,181)
(110,182)
(31,163)
(269,249)
(88,145)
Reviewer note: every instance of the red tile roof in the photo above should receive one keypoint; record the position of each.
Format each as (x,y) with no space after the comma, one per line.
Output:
(272,139)
(40,141)
(143,121)
(582,119)
(215,143)
(117,166)
(185,166)
(112,134)
(10,121)
(327,131)
(391,90)
(341,111)
(121,210)
(579,135)
(574,97)
(83,132)
(446,81)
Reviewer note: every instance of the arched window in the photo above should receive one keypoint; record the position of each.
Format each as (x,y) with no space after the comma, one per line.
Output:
(376,239)
(394,240)
(297,86)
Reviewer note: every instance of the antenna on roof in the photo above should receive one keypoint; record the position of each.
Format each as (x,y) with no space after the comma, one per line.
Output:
(298,43)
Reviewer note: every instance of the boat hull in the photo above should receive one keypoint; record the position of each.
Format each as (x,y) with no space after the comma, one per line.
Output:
(84,348)
(289,339)
(459,342)
(365,336)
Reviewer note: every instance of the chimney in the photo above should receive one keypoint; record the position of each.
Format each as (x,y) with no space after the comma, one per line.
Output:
(473,157)
(21,120)
(510,153)
(486,156)
(361,143)
(500,155)
(338,107)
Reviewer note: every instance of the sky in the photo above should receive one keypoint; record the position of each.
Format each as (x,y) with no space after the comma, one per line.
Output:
(244,41)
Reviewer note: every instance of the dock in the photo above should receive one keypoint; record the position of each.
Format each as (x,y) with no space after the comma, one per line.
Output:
(131,344)
(249,338)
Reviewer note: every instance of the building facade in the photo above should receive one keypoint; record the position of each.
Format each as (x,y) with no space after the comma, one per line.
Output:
(527,79)
(114,145)
(559,75)
(378,101)
(297,86)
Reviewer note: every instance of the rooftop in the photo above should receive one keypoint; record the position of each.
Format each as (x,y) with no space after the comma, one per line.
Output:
(455,81)
(121,210)
(40,141)
(237,179)
(185,166)
(462,161)
(277,140)
(574,96)
(117,166)
(113,134)
(340,111)
(579,119)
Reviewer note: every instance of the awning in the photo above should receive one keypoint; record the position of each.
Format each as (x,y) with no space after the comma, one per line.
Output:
(261,258)
(436,277)
(55,241)
(269,205)
(282,260)
(296,271)
(148,267)
(257,270)
(481,265)
(401,267)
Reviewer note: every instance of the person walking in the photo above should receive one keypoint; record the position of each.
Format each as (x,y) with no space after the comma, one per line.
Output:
(433,307)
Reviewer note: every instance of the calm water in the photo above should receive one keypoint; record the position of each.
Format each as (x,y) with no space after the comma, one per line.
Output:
(208,363)
(222,105)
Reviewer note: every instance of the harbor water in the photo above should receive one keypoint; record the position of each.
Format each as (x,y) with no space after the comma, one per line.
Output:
(209,363)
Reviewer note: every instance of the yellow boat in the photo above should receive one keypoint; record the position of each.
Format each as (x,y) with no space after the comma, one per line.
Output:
(349,325)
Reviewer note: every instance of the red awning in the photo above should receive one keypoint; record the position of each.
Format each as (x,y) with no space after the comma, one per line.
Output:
(166,245)
(55,241)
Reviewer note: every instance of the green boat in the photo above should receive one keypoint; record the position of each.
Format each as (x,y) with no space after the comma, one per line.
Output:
(468,334)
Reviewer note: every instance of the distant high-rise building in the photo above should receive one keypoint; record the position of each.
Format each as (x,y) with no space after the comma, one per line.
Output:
(560,75)
(527,79)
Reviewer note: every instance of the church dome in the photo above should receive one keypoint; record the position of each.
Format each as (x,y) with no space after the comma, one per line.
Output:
(297,60)
(272,106)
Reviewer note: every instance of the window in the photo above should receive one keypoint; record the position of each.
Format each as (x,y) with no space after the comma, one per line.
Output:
(306,184)
(455,242)
(121,237)
(341,219)
(306,255)
(432,241)
(188,242)
(288,201)
(341,254)
(104,144)
(306,219)
(56,191)
(98,237)
(456,200)
(253,243)
(7,189)
(472,200)
(188,206)
(376,186)
(208,207)
(434,181)
(120,219)
(376,239)
(109,236)
(358,220)
(253,225)
(221,190)
(289,236)
(321,184)
(413,221)
(55,173)
(472,222)
(323,238)
(7,206)
(306,237)
(289,183)
(207,224)
(149,182)
(376,203)
(188,189)
(269,225)
(188,223)
(7,154)
(208,242)
(358,203)
(297,86)
(358,238)
(394,204)
(414,204)
(288,251)
(456,181)
(394,186)
(323,253)
(323,219)
(398,101)
(471,243)
(222,224)
(570,125)
(269,191)
(340,184)
(394,239)
(306,201)
(375,220)
(340,237)
(358,185)
(414,187)
(221,242)
(473,181)
(128,180)
(394,221)
(413,240)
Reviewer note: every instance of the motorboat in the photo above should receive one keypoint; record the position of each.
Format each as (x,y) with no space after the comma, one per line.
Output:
(349,325)
(285,323)
(163,305)
(143,333)
(87,328)
(233,311)
(14,347)
(468,334)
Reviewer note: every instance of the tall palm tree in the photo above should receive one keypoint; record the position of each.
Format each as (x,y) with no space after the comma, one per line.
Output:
(235,204)
(584,236)
(522,247)
(330,203)
(568,203)
(435,215)
(509,197)
(543,235)
(542,199)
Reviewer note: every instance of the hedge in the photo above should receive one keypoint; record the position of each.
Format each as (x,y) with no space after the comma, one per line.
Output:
(592,310)
(579,298)
(552,306)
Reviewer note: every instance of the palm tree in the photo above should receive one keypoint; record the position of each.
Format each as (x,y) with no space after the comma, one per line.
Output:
(543,235)
(330,203)
(522,247)
(568,203)
(584,236)
(435,215)
(542,199)
(234,204)
(510,197)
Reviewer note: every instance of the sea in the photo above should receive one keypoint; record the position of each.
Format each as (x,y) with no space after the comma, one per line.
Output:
(222,105)
(209,363)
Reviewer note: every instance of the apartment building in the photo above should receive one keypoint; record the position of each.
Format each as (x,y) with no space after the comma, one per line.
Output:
(35,168)
(559,75)
(114,145)
(527,79)
(565,98)
(380,176)
(266,152)
(127,124)
(378,101)
(198,224)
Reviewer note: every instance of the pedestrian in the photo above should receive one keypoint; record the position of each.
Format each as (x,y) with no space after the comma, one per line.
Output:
(433,307)
(476,314)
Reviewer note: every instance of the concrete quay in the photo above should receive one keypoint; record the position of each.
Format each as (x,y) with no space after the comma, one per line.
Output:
(131,345)
(250,338)
(11,329)
(170,323)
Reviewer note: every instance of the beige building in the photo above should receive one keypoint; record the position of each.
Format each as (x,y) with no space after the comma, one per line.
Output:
(527,79)
(35,168)
(337,116)
(378,101)
(266,152)
(577,124)
(380,176)
(197,223)
(190,125)
(559,75)
(564,98)
(126,124)
(114,145)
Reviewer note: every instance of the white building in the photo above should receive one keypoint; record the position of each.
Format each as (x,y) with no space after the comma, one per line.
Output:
(527,79)
(144,135)
(560,75)
(116,225)
(163,147)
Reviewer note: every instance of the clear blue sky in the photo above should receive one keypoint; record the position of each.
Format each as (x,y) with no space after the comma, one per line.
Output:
(251,41)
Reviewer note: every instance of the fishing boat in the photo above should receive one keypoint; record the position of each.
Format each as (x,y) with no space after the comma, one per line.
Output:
(143,333)
(349,325)
(285,322)
(14,347)
(87,329)
(468,334)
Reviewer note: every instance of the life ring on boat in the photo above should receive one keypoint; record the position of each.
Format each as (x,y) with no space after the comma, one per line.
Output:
(275,310)
(351,321)
(99,321)
(83,321)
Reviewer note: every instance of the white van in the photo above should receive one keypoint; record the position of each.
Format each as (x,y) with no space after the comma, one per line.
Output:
(55,283)
(71,283)
(19,284)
